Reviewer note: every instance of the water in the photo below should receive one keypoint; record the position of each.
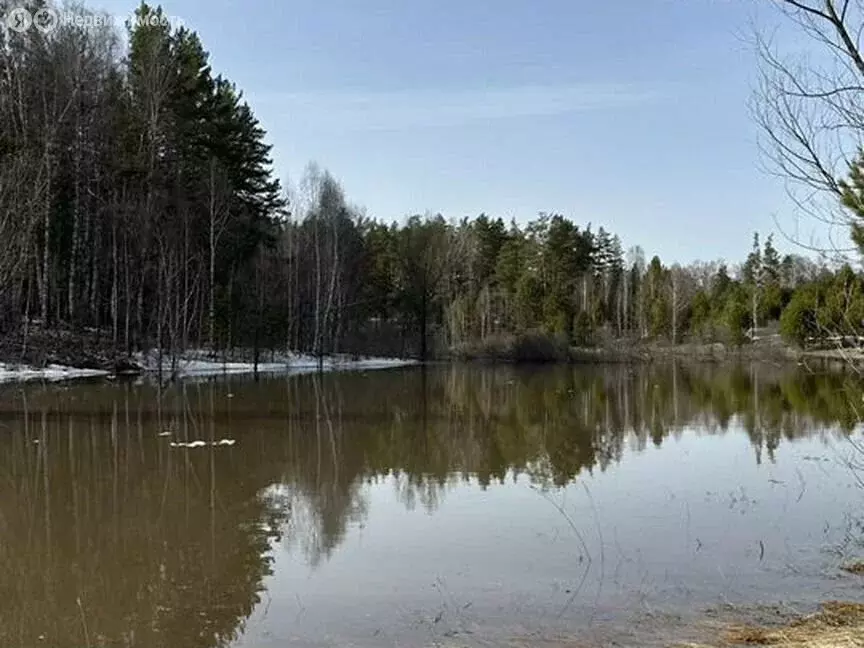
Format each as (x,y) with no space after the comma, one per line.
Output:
(456,506)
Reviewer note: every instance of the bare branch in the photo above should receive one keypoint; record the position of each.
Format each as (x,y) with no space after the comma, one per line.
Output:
(807,104)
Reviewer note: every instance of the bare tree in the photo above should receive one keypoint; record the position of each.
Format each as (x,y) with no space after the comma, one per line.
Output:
(681,286)
(808,103)
(703,273)
(218,220)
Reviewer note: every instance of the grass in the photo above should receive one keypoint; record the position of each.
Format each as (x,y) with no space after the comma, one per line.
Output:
(837,625)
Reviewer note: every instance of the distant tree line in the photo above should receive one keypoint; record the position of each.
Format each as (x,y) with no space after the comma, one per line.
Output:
(138,202)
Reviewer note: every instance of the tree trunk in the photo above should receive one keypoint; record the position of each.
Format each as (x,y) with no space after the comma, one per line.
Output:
(128,296)
(46,241)
(334,264)
(94,284)
(115,280)
(424,311)
(674,308)
(755,305)
(211,307)
(76,215)
(316,344)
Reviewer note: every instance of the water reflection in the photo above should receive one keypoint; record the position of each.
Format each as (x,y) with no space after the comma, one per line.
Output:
(111,537)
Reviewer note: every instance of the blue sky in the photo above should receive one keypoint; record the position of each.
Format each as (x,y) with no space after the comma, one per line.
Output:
(631,114)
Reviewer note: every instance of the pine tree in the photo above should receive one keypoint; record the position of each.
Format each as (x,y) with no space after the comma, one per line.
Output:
(771,264)
(852,190)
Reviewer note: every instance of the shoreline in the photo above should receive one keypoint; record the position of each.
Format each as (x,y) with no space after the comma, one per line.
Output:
(194,367)
(715,353)
(60,355)
(63,355)
(830,624)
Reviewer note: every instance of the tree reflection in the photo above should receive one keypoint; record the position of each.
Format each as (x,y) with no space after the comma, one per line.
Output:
(111,537)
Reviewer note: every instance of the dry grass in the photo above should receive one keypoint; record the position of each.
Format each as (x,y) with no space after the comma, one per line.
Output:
(527,347)
(837,625)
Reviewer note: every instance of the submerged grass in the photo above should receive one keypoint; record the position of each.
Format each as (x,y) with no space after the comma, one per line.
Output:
(837,625)
(856,567)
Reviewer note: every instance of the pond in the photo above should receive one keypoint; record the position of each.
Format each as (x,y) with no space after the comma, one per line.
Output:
(451,505)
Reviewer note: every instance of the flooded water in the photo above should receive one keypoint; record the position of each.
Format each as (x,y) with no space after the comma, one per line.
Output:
(447,506)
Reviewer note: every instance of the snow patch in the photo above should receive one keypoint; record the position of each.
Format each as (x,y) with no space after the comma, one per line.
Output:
(201,363)
(52,373)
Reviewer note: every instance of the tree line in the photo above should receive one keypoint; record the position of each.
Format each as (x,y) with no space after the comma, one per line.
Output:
(138,203)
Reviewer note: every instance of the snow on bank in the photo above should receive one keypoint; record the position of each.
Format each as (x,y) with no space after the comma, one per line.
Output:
(198,363)
(52,373)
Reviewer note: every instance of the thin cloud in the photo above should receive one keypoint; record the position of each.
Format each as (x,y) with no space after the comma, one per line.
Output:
(417,108)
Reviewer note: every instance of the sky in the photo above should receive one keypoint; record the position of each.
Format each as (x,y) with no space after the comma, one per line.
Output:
(630,114)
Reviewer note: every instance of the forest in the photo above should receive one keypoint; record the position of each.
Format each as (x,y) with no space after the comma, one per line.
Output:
(139,206)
